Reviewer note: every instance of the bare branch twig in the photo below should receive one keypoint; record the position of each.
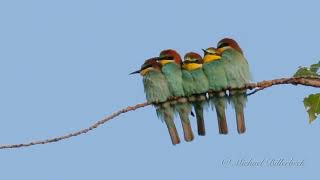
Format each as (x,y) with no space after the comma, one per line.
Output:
(313,82)
(77,133)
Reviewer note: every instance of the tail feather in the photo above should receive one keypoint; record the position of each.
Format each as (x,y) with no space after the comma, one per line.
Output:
(172,129)
(239,100)
(219,102)
(200,120)
(241,127)
(222,120)
(165,112)
(187,130)
(184,111)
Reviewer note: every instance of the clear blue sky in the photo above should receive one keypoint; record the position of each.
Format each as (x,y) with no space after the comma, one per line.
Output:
(65,64)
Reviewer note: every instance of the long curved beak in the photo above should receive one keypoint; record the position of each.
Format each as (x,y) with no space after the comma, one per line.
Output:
(135,72)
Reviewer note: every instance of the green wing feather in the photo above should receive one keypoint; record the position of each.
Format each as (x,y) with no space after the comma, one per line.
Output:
(194,82)
(238,74)
(173,74)
(156,90)
(201,83)
(155,87)
(215,73)
(188,83)
(237,68)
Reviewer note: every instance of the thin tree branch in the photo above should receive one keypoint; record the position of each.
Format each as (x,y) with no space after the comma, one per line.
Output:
(77,133)
(306,81)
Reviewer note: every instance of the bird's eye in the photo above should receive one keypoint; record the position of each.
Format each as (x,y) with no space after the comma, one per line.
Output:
(187,61)
(223,45)
(170,57)
(166,58)
(198,61)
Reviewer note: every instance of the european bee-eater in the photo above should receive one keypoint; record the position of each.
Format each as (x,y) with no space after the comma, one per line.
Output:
(195,85)
(238,74)
(171,69)
(214,69)
(157,92)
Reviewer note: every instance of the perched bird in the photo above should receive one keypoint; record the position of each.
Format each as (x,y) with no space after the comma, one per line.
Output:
(238,74)
(214,69)
(171,69)
(195,85)
(157,92)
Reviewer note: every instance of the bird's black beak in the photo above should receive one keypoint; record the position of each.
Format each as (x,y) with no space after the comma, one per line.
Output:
(205,51)
(136,72)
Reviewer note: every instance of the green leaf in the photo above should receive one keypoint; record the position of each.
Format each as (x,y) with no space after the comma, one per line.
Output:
(312,105)
(302,71)
(315,67)
(305,72)
(308,72)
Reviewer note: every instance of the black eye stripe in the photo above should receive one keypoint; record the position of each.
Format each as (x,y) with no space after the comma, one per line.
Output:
(145,67)
(196,61)
(199,61)
(166,58)
(223,45)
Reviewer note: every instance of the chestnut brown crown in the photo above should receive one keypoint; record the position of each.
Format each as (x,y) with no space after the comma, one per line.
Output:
(193,57)
(231,43)
(171,53)
(149,63)
(152,62)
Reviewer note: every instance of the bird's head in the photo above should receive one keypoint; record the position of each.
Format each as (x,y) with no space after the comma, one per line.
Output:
(192,61)
(170,56)
(151,64)
(228,43)
(210,54)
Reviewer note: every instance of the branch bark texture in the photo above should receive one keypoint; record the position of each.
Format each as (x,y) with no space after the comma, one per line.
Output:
(255,87)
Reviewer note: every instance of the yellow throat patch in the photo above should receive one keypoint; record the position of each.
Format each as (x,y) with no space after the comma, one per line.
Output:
(211,57)
(164,62)
(191,66)
(145,71)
